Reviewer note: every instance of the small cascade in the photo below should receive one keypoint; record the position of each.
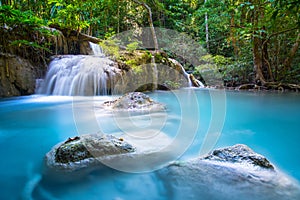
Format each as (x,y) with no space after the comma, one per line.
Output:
(96,49)
(155,73)
(80,75)
(200,83)
(186,75)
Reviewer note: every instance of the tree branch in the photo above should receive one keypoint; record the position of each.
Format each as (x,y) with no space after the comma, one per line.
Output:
(278,33)
(80,36)
(288,61)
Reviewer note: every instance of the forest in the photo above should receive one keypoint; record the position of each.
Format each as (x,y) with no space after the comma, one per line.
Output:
(247,42)
(150,99)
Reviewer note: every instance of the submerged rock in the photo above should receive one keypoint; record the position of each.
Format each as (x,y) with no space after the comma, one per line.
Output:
(135,101)
(232,173)
(84,151)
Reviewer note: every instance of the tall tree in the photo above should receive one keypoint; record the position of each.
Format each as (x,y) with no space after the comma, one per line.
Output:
(150,20)
(206,30)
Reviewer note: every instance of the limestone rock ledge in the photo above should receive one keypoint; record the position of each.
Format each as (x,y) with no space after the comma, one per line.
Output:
(232,173)
(17,75)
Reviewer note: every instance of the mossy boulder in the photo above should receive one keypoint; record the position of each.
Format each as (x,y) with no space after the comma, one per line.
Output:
(239,154)
(84,151)
(135,101)
(148,71)
(230,173)
(88,146)
(71,151)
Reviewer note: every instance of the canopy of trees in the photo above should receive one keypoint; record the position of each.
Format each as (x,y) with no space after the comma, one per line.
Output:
(253,41)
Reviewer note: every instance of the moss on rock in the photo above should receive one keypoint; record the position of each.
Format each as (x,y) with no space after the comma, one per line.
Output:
(135,101)
(89,146)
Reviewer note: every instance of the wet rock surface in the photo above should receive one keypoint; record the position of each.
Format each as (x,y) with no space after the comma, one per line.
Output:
(17,76)
(134,101)
(239,154)
(88,146)
(84,151)
(231,173)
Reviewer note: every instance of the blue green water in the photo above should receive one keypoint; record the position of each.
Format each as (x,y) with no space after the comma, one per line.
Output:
(31,126)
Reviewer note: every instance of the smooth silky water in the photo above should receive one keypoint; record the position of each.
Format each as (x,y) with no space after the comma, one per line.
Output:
(30,126)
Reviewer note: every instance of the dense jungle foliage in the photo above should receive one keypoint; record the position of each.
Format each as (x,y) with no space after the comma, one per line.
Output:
(254,41)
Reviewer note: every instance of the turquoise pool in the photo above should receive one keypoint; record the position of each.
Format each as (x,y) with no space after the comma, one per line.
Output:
(30,126)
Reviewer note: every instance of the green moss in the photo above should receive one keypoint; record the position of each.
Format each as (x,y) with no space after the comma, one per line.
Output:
(111,48)
(134,65)
(158,58)
(146,57)
(136,59)
(71,152)
(131,47)
(171,85)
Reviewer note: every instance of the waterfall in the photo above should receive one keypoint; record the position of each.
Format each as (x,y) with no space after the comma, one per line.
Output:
(79,76)
(96,49)
(200,83)
(90,75)
(185,74)
(155,73)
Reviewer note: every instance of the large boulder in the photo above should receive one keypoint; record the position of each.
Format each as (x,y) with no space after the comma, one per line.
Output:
(125,152)
(135,101)
(240,154)
(232,173)
(84,152)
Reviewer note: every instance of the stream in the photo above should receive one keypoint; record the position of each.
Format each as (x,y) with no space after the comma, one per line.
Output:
(268,122)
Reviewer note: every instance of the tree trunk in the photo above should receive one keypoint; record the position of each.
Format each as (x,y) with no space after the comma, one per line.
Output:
(257,61)
(288,61)
(266,66)
(257,55)
(90,29)
(206,29)
(154,37)
(232,35)
(118,17)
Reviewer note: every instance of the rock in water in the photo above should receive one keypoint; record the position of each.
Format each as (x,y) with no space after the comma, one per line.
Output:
(84,151)
(135,101)
(77,157)
(232,173)
(239,154)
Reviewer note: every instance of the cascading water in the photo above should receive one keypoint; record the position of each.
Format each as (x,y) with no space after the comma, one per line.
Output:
(80,75)
(91,75)
(185,74)
(155,72)
(97,50)
(200,83)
